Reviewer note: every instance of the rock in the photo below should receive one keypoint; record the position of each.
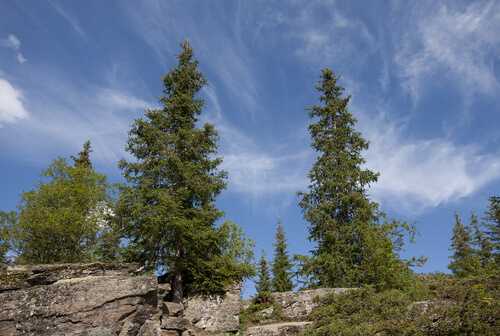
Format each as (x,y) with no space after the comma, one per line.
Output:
(172,308)
(215,313)
(164,289)
(25,276)
(296,306)
(277,329)
(265,314)
(169,333)
(150,327)
(175,323)
(96,305)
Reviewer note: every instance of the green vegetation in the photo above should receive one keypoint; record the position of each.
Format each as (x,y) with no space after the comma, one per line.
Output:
(7,222)
(465,303)
(59,220)
(263,285)
(282,275)
(167,211)
(165,217)
(354,242)
(451,306)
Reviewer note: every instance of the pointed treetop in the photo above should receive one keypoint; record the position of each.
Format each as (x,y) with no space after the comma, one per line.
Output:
(83,158)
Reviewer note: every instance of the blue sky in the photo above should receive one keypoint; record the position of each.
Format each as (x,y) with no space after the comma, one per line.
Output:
(424,78)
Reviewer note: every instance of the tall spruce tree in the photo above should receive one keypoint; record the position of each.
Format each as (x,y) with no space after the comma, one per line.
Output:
(7,222)
(351,247)
(263,285)
(168,211)
(282,276)
(480,242)
(493,227)
(463,261)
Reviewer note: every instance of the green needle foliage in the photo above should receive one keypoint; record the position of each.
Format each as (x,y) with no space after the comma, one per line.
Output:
(263,285)
(7,222)
(167,211)
(493,227)
(353,245)
(55,219)
(282,275)
(463,261)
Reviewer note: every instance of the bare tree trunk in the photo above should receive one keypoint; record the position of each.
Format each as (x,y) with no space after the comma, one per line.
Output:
(177,290)
(177,284)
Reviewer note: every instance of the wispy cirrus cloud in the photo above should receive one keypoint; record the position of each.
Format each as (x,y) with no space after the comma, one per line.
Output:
(69,18)
(63,116)
(13,42)
(417,174)
(253,170)
(455,42)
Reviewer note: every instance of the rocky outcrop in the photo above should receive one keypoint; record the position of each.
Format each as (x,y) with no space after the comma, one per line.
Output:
(76,300)
(117,299)
(215,313)
(277,329)
(296,306)
(104,300)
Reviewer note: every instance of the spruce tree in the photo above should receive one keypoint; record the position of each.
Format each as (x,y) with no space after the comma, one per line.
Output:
(167,210)
(7,223)
(352,249)
(493,227)
(480,242)
(282,281)
(263,284)
(463,262)
(83,158)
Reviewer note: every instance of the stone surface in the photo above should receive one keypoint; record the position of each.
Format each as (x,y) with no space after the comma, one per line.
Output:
(215,313)
(172,308)
(296,306)
(98,305)
(25,276)
(277,329)
(175,323)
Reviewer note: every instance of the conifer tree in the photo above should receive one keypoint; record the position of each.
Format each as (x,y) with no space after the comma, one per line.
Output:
(352,249)
(493,227)
(282,281)
(462,262)
(263,284)
(167,210)
(7,223)
(480,242)
(83,158)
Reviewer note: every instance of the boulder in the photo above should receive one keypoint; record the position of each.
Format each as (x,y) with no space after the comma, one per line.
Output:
(219,313)
(56,304)
(175,323)
(277,329)
(172,308)
(296,306)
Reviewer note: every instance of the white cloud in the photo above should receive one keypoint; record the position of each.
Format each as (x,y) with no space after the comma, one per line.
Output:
(458,44)
(420,173)
(11,105)
(13,42)
(121,101)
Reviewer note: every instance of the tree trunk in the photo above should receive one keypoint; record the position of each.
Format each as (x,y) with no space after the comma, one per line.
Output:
(177,290)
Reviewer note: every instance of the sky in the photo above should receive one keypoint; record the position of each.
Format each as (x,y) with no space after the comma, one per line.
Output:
(424,77)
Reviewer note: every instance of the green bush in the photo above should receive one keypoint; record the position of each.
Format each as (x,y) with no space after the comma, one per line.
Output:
(451,307)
